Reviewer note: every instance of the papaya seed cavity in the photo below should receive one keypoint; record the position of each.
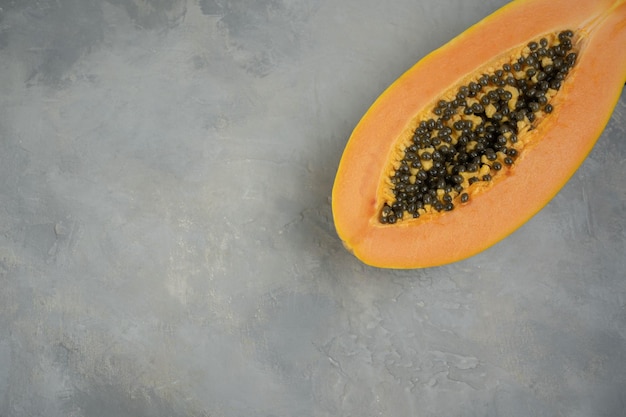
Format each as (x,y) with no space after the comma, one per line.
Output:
(475,133)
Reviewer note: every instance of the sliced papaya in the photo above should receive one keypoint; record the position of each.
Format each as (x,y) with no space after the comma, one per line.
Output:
(479,135)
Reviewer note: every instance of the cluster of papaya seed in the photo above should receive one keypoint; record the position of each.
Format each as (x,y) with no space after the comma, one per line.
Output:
(474,135)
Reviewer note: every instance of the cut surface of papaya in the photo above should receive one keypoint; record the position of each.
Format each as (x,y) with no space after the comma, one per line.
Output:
(479,135)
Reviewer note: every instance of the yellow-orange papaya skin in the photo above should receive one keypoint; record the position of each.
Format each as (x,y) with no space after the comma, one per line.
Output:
(582,109)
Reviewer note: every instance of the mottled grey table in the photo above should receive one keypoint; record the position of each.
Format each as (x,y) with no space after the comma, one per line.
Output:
(167,246)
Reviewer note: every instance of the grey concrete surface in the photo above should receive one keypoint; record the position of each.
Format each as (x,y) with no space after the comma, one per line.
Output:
(167,246)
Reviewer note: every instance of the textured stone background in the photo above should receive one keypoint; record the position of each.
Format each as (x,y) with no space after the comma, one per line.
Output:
(167,247)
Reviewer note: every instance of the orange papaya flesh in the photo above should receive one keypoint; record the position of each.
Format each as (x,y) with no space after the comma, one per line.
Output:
(547,150)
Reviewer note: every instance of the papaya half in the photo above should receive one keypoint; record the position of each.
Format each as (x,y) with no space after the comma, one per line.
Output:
(479,135)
